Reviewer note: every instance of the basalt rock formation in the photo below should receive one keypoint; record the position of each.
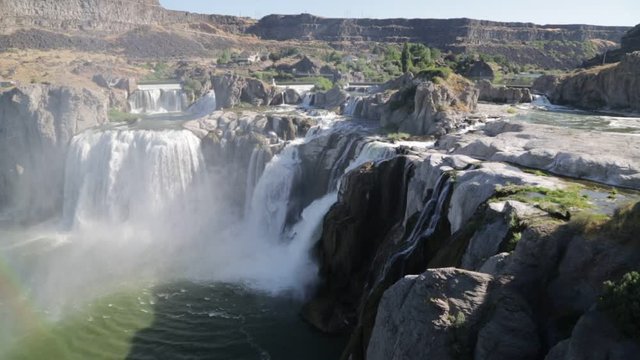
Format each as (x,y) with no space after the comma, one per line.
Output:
(145,29)
(613,86)
(629,43)
(37,124)
(459,35)
(421,105)
(502,94)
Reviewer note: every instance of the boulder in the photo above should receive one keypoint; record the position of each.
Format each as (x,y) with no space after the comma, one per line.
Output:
(256,92)
(229,89)
(332,99)
(430,316)
(595,337)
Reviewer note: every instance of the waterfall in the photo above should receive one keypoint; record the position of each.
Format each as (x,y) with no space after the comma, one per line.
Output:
(269,203)
(205,105)
(351,107)
(116,176)
(307,99)
(158,99)
(426,225)
(257,165)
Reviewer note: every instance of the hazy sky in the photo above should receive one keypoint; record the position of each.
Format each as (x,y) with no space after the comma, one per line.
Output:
(608,12)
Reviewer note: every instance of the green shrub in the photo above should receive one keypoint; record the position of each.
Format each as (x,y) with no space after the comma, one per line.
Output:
(116,115)
(432,72)
(621,301)
(398,136)
(322,84)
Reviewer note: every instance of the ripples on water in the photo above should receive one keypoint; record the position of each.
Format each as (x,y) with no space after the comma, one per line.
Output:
(180,321)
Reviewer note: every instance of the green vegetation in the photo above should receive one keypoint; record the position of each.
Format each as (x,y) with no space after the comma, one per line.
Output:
(116,115)
(512,110)
(560,202)
(398,136)
(225,57)
(406,59)
(192,87)
(621,301)
(159,71)
(457,321)
(322,84)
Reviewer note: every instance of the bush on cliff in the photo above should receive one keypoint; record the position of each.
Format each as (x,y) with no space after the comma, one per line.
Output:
(621,301)
(322,84)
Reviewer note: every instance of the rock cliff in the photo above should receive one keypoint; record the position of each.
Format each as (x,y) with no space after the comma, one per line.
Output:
(37,123)
(614,86)
(433,104)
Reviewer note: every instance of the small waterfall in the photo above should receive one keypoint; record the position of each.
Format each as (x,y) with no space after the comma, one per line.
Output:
(351,107)
(117,176)
(204,105)
(158,99)
(426,225)
(307,99)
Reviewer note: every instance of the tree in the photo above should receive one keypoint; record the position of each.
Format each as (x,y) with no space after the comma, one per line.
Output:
(406,58)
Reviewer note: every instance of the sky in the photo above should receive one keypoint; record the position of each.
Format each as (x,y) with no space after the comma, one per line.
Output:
(608,12)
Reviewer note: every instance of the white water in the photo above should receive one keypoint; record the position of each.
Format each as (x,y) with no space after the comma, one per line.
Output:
(136,176)
(351,106)
(204,105)
(158,99)
(268,209)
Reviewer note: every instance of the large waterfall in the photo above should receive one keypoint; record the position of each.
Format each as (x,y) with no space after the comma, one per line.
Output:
(132,175)
(158,99)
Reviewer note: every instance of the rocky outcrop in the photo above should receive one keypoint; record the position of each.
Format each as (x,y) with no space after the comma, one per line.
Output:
(370,203)
(38,121)
(333,99)
(443,306)
(609,87)
(232,89)
(545,85)
(502,94)
(629,43)
(422,105)
(595,337)
(480,70)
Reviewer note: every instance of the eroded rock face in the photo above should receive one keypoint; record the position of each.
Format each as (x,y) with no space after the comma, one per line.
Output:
(420,106)
(370,203)
(502,94)
(433,315)
(611,87)
(37,123)
(331,100)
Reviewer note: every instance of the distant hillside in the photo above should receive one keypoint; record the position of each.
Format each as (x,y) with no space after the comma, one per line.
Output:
(546,45)
(145,29)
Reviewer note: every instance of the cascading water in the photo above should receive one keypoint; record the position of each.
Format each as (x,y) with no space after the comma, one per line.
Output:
(307,99)
(426,225)
(141,206)
(135,176)
(158,99)
(351,107)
